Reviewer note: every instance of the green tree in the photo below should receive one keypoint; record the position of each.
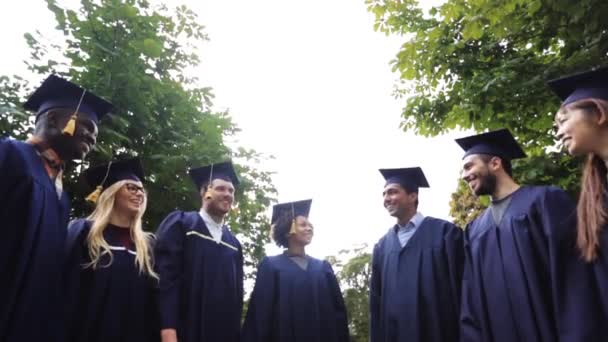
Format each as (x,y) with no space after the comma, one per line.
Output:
(140,58)
(482,65)
(354,275)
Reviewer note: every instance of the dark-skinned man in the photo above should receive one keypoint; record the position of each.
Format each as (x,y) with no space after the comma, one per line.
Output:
(34,208)
(416,269)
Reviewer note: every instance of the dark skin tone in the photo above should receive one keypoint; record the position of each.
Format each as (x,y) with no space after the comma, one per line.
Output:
(49,131)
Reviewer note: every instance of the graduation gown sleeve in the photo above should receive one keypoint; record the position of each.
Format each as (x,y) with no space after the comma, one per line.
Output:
(454,248)
(259,321)
(339,307)
(168,254)
(75,248)
(470,329)
(375,295)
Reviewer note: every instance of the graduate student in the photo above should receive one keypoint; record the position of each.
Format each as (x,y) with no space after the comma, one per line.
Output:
(111,283)
(35,208)
(200,264)
(582,128)
(296,297)
(517,250)
(416,268)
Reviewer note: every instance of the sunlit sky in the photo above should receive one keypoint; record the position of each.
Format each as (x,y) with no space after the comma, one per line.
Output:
(310,83)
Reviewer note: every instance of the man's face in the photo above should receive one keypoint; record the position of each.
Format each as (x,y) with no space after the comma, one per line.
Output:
(478,175)
(78,145)
(397,201)
(219,197)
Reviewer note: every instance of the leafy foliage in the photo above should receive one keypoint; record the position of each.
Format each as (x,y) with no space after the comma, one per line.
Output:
(139,58)
(354,275)
(482,65)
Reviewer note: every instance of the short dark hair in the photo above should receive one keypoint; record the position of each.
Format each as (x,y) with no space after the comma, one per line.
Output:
(281,229)
(506,163)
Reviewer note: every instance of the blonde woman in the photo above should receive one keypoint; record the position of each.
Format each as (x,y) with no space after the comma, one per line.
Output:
(110,277)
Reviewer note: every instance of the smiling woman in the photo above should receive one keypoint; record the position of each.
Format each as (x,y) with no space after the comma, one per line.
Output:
(110,272)
(296,297)
(582,128)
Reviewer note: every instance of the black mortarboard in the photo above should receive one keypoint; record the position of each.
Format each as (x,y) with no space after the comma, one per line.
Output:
(206,174)
(55,92)
(410,178)
(500,143)
(589,84)
(102,176)
(291,210)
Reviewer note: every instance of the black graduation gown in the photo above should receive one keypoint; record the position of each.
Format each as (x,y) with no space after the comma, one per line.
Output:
(290,304)
(415,289)
(519,275)
(115,303)
(33,229)
(201,281)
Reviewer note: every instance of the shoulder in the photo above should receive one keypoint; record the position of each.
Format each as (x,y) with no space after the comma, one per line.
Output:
(16,151)
(550,196)
(231,236)
(77,230)
(175,218)
(385,238)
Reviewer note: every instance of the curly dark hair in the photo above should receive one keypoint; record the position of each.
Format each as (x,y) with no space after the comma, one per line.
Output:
(281,229)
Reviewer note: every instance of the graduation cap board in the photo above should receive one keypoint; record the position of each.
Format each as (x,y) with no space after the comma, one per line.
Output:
(204,175)
(500,143)
(291,210)
(102,176)
(589,84)
(56,92)
(410,178)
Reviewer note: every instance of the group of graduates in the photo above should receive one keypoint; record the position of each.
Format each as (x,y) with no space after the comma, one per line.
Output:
(531,267)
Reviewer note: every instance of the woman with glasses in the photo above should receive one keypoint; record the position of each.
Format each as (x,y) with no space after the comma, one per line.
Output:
(111,281)
(296,298)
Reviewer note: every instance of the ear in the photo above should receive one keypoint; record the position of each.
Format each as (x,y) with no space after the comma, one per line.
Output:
(602,112)
(495,163)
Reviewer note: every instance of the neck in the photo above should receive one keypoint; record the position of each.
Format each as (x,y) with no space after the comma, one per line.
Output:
(405,218)
(43,146)
(121,219)
(219,219)
(504,187)
(295,249)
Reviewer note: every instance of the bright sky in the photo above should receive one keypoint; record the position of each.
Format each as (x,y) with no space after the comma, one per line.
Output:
(308,82)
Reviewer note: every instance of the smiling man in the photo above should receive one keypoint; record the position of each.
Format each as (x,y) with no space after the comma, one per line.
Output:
(35,208)
(200,264)
(517,251)
(416,268)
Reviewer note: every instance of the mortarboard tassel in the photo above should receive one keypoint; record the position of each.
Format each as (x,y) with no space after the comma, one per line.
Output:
(293,227)
(70,127)
(94,196)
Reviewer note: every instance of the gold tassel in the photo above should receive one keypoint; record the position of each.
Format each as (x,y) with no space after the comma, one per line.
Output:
(93,196)
(70,127)
(293,227)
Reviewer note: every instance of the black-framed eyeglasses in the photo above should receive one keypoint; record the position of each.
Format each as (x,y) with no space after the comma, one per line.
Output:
(134,189)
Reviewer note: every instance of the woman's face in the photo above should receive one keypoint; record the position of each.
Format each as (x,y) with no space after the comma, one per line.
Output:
(578,128)
(130,198)
(304,232)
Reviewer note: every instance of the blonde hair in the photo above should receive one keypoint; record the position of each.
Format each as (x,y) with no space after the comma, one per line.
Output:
(98,246)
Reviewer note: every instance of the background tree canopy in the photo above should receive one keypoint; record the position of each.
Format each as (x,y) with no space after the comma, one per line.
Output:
(482,65)
(138,57)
